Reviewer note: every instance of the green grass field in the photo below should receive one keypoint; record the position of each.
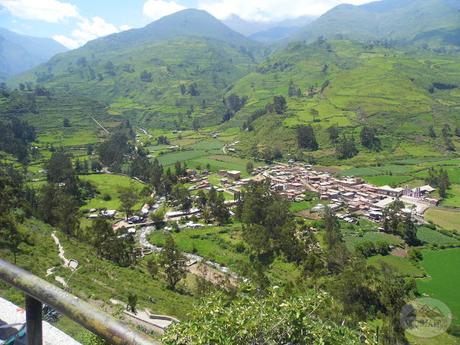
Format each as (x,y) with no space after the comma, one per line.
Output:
(403,266)
(352,240)
(453,197)
(445,218)
(214,243)
(442,267)
(434,237)
(108,184)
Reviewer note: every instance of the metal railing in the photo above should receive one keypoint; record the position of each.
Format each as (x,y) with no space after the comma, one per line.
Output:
(39,291)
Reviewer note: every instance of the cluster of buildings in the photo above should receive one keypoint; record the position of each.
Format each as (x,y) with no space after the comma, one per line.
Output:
(346,195)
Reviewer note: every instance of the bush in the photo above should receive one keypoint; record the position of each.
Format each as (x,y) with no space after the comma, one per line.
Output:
(106,197)
(273,319)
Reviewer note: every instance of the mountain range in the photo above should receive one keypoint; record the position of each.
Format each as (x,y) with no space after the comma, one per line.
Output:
(19,53)
(400,20)
(179,71)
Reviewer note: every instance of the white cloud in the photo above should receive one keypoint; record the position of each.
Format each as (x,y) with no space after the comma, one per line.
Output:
(270,10)
(88,29)
(66,41)
(51,11)
(155,9)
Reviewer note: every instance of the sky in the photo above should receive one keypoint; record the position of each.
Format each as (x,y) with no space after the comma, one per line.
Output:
(75,22)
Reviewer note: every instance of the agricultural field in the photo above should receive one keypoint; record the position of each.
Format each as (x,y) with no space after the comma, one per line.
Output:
(448,219)
(214,243)
(436,238)
(353,239)
(107,186)
(453,196)
(443,278)
(401,265)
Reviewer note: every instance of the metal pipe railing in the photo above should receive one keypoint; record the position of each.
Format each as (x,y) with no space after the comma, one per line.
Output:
(39,291)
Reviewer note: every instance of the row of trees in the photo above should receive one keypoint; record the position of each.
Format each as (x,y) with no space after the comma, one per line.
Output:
(16,137)
(440,179)
(398,222)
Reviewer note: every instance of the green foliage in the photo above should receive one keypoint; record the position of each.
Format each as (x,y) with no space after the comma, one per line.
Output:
(306,138)
(346,148)
(273,319)
(173,263)
(16,138)
(117,247)
(128,198)
(369,139)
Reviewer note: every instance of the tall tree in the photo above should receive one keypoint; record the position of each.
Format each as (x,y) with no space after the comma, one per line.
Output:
(306,138)
(333,134)
(10,235)
(369,139)
(128,198)
(173,263)
(337,253)
(346,148)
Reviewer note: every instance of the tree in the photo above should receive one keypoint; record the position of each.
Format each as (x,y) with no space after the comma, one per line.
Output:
(369,139)
(279,105)
(249,167)
(306,138)
(128,198)
(101,232)
(294,91)
(431,132)
(333,134)
(409,231)
(132,302)
(314,114)
(346,148)
(447,135)
(173,263)
(219,210)
(235,102)
(153,267)
(59,209)
(112,152)
(337,253)
(193,90)
(10,235)
(146,76)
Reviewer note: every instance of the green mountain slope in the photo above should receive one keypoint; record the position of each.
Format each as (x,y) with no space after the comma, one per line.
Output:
(385,20)
(19,53)
(166,74)
(350,85)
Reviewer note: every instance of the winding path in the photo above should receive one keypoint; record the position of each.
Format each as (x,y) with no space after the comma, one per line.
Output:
(66,262)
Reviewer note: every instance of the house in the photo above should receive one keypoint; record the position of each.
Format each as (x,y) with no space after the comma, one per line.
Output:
(109,213)
(394,192)
(234,174)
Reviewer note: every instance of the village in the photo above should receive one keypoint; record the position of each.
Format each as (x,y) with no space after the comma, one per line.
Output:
(350,198)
